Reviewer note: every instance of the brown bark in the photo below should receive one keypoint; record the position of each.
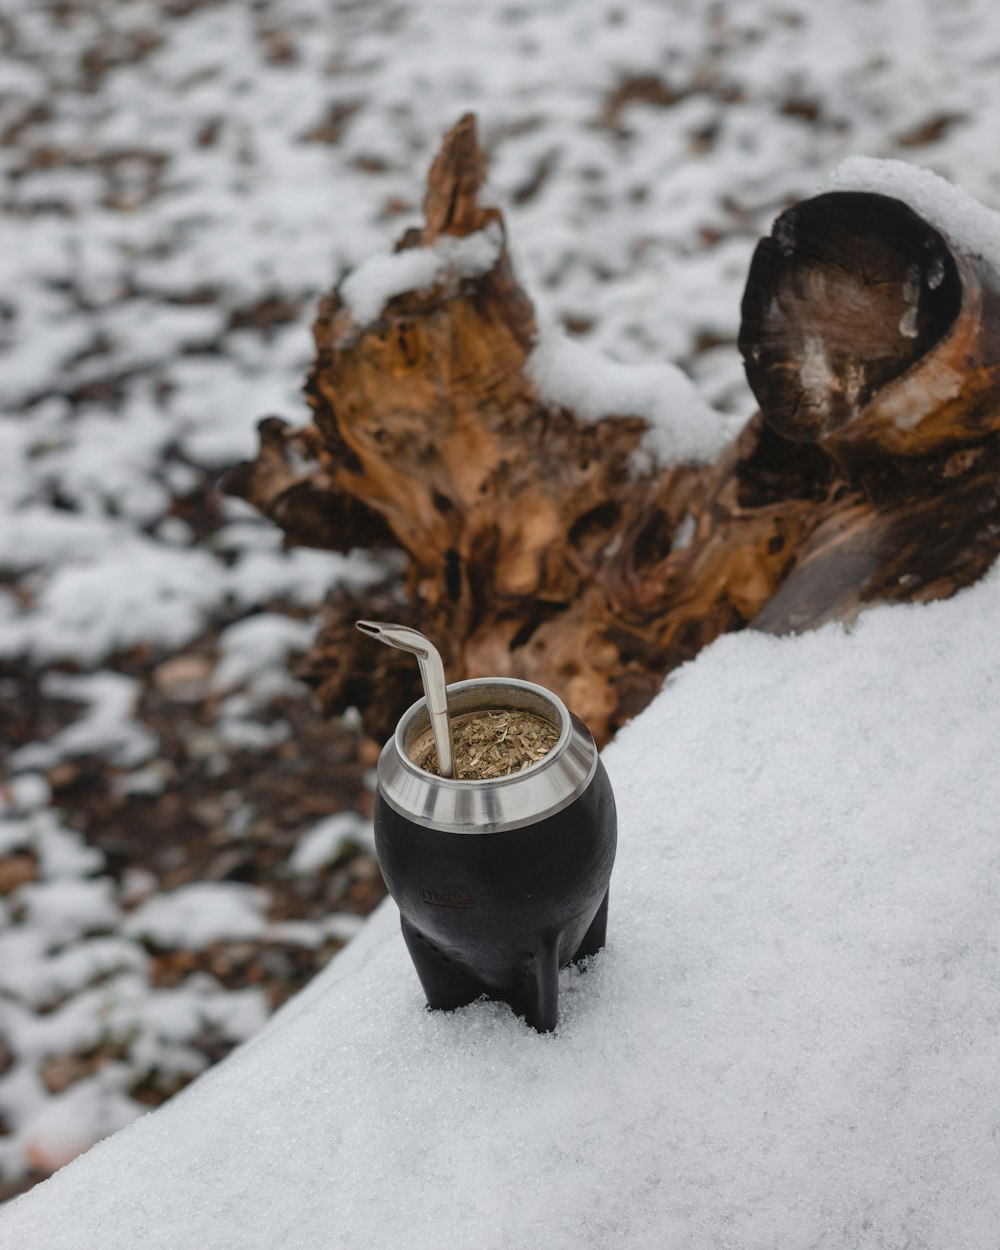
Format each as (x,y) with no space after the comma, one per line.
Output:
(871,336)
(533,549)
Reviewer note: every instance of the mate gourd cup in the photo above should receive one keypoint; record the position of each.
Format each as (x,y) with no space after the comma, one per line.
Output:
(500,882)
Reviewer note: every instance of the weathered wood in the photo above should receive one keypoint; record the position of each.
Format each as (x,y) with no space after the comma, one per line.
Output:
(847,294)
(509,509)
(533,547)
(870,335)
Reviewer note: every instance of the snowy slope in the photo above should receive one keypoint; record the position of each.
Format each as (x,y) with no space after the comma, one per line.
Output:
(791,1039)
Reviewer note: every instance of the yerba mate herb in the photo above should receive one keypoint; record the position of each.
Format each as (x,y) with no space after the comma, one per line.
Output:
(491,743)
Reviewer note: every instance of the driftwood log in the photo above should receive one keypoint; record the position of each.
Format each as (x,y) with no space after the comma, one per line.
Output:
(532,546)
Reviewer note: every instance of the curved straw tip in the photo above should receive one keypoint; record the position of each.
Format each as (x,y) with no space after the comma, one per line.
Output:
(432,675)
(402,636)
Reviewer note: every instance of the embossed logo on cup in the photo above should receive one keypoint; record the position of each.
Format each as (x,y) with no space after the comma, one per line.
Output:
(448,898)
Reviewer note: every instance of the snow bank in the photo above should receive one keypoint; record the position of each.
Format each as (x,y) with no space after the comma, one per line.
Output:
(790,1040)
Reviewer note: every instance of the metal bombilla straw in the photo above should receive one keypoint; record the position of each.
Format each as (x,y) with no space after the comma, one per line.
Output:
(432,676)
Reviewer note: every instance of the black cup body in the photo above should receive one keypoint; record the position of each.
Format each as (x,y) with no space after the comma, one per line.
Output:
(498,906)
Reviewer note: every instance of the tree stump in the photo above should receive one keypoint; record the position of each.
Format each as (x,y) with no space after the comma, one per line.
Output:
(538,545)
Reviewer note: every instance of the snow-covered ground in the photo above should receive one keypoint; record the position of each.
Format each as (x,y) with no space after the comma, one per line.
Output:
(181,179)
(790,1040)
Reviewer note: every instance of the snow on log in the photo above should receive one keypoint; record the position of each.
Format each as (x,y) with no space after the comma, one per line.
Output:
(865,330)
(531,506)
(590,525)
(872,332)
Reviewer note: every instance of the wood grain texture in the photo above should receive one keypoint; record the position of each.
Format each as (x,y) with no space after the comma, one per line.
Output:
(532,548)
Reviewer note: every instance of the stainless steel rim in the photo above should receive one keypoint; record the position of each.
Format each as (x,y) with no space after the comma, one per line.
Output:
(503,803)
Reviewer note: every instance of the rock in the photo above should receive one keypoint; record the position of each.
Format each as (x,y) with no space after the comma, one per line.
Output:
(183,678)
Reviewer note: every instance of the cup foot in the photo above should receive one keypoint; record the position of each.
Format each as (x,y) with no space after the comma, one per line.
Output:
(535,996)
(596,935)
(446,985)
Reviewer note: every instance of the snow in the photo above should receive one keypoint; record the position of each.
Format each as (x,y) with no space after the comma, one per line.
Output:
(197,915)
(117,596)
(107,728)
(73,978)
(321,844)
(790,1039)
(255,653)
(680,425)
(68,909)
(67,1123)
(959,217)
(370,287)
(42,984)
(137,591)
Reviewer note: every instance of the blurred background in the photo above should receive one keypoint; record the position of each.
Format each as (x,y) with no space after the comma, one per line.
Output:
(183,841)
